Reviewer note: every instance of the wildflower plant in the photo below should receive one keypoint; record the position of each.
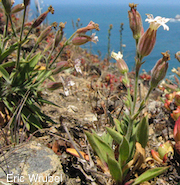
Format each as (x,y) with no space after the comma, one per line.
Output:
(21,74)
(130,132)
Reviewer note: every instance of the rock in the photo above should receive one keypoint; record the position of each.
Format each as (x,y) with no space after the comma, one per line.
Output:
(31,163)
(90,117)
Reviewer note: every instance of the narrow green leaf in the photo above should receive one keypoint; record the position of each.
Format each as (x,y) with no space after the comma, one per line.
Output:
(30,118)
(8,51)
(8,64)
(100,147)
(32,63)
(142,133)
(118,125)
(115,135)
(4,73)
(114,168)
(124,151)
(149,174)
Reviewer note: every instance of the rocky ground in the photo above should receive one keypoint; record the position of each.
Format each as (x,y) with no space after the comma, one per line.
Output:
(85,102)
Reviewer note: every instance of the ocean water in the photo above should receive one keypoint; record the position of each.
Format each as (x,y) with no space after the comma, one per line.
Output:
(105,15)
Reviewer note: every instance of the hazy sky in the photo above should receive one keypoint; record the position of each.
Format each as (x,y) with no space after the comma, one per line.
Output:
(177,2)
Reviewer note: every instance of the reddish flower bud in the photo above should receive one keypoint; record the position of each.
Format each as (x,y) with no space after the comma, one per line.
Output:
(46,32)
(59,34)
(60,66)
(159,70)
(147,40)
(89,27)
(41,18)
(135,21)
(83,39)
(17,8)
(121,64)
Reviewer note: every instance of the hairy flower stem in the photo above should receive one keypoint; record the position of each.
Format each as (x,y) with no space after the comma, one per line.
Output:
(20,39)
(6,31)
(138,66)
(64,45)
(128,92)
(12,26)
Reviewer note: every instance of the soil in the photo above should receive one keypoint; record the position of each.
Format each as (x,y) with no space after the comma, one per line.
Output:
(91,99)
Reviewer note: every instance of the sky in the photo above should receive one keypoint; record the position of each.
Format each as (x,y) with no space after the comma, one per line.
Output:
(53,2)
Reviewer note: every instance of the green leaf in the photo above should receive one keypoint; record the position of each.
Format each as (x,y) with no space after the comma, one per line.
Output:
(106,137)
(31,118)
(114,169)
(4,74)
(142,133)
(29,66)
(149,174)
(118,125)
(115,135)
(100,147)
(8,51)
(124,151)
(8,64)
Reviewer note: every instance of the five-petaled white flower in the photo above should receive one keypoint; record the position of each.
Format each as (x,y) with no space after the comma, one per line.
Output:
(116,56)
(156,22)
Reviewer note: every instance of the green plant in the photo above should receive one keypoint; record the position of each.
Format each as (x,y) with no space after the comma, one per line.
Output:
(130,132)
(21,77)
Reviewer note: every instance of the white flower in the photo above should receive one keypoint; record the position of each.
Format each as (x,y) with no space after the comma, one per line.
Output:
(116,56)
(94,38)
(156,22)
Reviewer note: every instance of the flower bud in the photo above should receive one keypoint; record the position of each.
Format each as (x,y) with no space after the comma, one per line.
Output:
(17,8)
(81,39)
(41,18)
(7,5)
(176,113)
(146,42)
(176,131)
(135,21)
(26,2)
(89,27)
(59,34)
(54,85)
(60,66)
(121,64)
(159,70)
(46,32)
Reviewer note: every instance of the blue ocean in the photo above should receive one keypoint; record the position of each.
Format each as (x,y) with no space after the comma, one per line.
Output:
(105,15)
